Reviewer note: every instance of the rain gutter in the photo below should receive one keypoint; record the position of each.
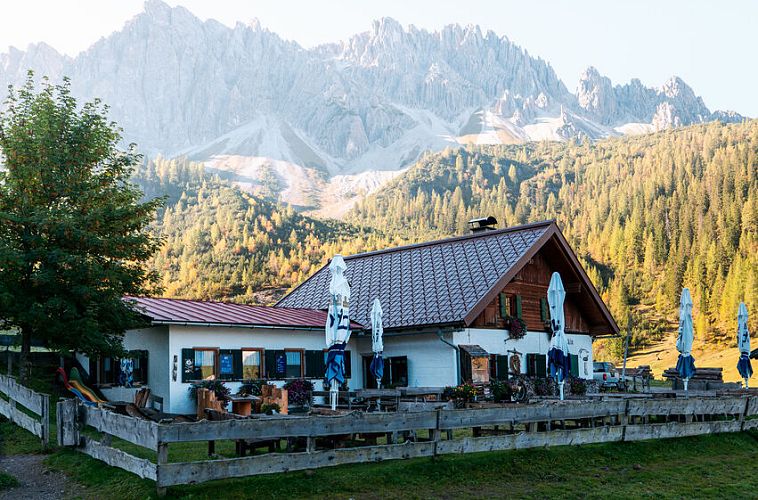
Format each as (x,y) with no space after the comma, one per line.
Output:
(441,336)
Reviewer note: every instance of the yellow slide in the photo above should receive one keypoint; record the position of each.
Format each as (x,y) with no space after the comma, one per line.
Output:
(77,383)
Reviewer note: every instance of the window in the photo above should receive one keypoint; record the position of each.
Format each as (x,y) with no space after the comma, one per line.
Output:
(498,366)
(107,370)
(252,366)
(205,363)
(294,367)
(536,365)
(315,364)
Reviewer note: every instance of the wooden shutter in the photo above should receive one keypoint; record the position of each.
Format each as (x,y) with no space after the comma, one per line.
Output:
(574,370)
(541,365)
(531,367)
(315,366)
(493,366)
(237,354)
(502,366)
(270,361)
(504,309)
(348,364)
(518,306)
(544,314)
(188,365)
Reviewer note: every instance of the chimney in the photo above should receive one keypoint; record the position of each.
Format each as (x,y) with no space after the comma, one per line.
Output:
(482,224)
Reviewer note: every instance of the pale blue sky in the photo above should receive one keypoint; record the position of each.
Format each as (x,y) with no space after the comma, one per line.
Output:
(712,45)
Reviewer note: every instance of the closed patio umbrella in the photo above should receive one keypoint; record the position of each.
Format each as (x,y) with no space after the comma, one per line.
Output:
(686,363)
(337,327)
(377,346)
(743,344)
(558,355)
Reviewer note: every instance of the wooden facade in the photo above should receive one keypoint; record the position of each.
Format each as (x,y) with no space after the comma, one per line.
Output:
(526,296)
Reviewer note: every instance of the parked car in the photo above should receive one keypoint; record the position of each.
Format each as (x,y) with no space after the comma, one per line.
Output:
(606,374)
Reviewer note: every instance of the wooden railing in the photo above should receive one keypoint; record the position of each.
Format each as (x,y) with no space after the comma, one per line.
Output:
(36,418)
(548,423)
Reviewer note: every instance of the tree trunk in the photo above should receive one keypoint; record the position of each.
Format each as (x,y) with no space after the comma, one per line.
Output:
(25,362)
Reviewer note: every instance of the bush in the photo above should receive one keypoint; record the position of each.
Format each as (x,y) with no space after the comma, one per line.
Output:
(217,386)
(577,386)
(7,481)
(270,408)
(501,390)
(251,387)
(298,391)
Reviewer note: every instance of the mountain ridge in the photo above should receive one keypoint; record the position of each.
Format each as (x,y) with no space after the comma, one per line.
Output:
(376,101)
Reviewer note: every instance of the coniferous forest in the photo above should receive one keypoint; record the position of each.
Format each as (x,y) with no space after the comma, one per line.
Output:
(646,215)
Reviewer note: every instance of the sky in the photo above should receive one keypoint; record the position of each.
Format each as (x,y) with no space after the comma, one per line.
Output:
(710,44)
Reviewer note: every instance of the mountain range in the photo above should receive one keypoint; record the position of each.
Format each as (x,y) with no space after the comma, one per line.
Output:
(321,127)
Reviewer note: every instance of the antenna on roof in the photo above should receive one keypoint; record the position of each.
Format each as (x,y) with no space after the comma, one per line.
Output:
(482,224)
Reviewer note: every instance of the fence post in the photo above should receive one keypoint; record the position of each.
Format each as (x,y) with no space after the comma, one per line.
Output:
(67,421)
(161,460)
(45,420)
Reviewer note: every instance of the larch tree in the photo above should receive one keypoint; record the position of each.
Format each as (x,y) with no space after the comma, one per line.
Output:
(73,230)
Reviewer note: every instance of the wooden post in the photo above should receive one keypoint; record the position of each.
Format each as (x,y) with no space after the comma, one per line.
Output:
(310,444)
(45,421)
(162,459)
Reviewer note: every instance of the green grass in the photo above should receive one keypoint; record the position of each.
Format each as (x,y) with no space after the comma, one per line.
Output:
(7,481)
(697,467)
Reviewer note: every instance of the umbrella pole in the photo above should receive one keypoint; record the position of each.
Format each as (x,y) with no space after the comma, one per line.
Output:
(747,386)
(333,394)
(560,386)
(379,399)
(686,392)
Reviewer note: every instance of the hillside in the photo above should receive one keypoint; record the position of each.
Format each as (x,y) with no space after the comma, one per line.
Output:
(223,243)
(646,214)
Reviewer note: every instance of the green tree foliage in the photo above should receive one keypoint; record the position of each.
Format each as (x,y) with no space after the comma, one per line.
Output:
(73,232)
(646,214)
(223,243)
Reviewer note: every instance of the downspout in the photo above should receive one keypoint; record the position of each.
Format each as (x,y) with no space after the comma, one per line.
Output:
(457,355)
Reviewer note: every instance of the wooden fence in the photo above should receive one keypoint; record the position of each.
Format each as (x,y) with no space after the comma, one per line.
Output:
(424,433)
(35,415)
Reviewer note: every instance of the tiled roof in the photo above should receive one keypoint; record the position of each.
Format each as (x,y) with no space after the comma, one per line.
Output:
(178,311)
(431,283)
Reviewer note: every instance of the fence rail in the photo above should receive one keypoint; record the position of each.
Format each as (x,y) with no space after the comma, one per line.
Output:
(547,423)
(37,417)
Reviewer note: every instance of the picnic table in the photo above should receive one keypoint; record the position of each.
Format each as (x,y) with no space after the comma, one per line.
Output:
(243,405)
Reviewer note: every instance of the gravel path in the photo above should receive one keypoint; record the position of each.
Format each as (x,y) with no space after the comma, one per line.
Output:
(37,481)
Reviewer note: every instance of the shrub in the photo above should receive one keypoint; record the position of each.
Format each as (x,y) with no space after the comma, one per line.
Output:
(270,408)
(298,391)
(217,386)
(577,386)
(251,387)
(501,390)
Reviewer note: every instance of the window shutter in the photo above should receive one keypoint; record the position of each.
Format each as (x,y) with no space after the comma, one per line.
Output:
(503,305)
(270,357)
(188,365)
(143,355)
(531,365)
(541,365)
(544,314)
(314,364)
(493,366)
(502,366)
(518,306)
(348,365)
(574,369)
(237,353)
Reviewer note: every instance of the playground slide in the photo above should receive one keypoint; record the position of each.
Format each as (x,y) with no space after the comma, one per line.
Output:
(76,392)
(76,381)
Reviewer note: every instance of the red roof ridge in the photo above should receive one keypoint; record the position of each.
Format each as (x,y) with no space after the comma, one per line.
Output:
(452,239)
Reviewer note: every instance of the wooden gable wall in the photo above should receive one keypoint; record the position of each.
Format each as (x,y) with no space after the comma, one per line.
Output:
(531,284)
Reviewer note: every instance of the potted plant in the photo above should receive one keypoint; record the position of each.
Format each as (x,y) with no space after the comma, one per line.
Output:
(299,392)
(217,386)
